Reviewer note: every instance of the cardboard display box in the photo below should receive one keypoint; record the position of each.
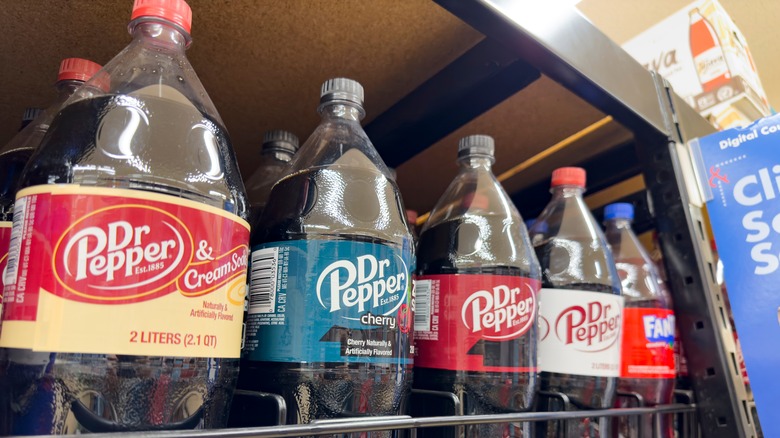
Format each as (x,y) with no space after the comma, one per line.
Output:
(705,58)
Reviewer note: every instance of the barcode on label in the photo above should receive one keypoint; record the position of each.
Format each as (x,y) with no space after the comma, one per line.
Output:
(262,280)
(15,246)
(422,305)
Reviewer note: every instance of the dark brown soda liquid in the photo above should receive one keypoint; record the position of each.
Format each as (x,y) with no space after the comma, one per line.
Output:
(324,390)
(58,393)
(584,392)
(479,392)
(11,165)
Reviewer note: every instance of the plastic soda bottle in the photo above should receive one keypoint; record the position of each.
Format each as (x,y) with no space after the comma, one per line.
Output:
(126,275)
(581,306)
(329,323)
(16,153)
(648,360)
(277,151)
(476,312)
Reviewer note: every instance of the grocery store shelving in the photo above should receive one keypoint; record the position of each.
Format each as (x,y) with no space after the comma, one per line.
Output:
(568,95)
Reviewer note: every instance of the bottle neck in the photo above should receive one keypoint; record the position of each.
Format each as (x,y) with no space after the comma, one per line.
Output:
(567,191)
(619,224)
(66,88)
(341,109)
(277,154)
(476,162)
(160,33)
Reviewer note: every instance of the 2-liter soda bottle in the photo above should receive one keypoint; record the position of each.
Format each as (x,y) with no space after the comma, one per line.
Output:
(276,152)
(648,363)
(476,304)
(73,72)
(581,307)
(16,153)
(329,322)
(126,275)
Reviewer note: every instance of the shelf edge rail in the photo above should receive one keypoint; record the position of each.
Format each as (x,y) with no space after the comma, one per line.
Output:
(373,424)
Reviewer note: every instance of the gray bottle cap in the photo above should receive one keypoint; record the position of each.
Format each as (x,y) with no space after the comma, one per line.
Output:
(30,114)
(483,145)
(341,89)
(280,140)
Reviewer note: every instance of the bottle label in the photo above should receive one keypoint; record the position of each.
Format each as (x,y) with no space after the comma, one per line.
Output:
(329,301)
(476,322)
(579,332)
(5,241)
(711,64)
(115,271)
(648,343)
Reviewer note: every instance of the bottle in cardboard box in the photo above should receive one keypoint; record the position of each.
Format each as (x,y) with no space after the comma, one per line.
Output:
(707,51)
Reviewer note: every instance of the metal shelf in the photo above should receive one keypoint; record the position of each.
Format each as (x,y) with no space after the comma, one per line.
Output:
(372,424)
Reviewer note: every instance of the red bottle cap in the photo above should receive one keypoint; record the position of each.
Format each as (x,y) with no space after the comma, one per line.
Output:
(77,69)
(175,11)
(568,176)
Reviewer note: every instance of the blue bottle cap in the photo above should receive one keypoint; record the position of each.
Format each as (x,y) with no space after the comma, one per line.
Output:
(529,223)
(619,210)
(539,227)
(30,114)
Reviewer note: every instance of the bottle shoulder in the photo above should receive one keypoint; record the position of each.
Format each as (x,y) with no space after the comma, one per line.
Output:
(148,143)
(572,249)
(334,201)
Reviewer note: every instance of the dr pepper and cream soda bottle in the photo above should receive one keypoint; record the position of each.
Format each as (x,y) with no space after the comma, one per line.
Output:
(128,257)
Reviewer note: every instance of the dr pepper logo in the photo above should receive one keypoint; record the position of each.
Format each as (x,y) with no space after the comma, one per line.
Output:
(501,313)
(133,253)
(592,327)
(105,257)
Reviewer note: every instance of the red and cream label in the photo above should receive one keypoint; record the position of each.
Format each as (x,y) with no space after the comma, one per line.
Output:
(465,322)
(648,343)
(96,270)
(5,240)
(579,332)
